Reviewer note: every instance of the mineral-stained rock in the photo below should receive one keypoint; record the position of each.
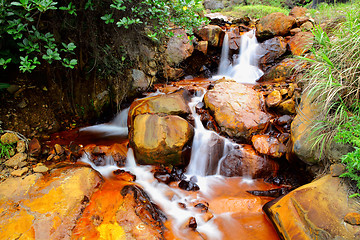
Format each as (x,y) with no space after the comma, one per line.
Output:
(20,172)
(34,147)
(268,145)
(211,33)
(307,26)
(314,211)
(21,146)
(301,43)
(45,208)
(178,48)
(202,46)
(273,99)
(282,71)
(287,107)
(236,109)
(160,140)
(40,169)
(353,218)
(244,161)
(16,159)
(9,138)
(274,24)
(172,104)
(298,12)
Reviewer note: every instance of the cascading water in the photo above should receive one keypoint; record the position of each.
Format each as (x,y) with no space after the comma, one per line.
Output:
(244,68)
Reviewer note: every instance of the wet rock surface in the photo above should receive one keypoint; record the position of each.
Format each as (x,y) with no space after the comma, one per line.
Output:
(274,24)
(236,109)
(314,211)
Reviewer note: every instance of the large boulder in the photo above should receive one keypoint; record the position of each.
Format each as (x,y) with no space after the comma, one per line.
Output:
(301,43)
(48,207)
(274,24)
(179,48)
(314,211)
(211,33)
(244,161)
(160,139)
(271,50)
(172,104)
(236,109)
(282,71)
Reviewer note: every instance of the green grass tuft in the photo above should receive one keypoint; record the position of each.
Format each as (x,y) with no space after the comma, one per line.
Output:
(253,11)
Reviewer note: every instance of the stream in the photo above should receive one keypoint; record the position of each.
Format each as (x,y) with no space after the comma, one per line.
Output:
(221,208)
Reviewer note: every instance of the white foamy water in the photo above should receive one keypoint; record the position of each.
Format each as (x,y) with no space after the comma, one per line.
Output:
(244,68)
(117,127)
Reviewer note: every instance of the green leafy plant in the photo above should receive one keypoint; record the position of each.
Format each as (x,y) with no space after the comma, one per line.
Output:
(5,150)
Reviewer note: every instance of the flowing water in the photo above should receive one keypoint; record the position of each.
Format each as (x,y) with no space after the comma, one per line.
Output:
(233,213)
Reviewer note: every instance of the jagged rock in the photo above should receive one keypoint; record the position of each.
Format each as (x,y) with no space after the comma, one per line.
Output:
(179,48)
(273,99)
(274,24)
(48,207)
(16,160)
(337,169)
(211,33)
(236,109)
(34,147)
(140,80)
(301,43)
(271,50)
(268,145)
(314,211)
(174,73)
(9,138)
(352,218)
(282,71)
(202,46)
(244,161)
(160,140)
(172,104)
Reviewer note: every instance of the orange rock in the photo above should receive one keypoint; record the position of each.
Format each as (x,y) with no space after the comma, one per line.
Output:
(282,71)
(274,24)
(236,109)
(352,218)
(273,99)
(301,43)
(314,211)
(160,140)
(298,12)
(202,46)
(268,145)
(211,33)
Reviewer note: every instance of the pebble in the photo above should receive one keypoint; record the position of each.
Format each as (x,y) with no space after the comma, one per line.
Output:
(40,169)
(21,146)
(15,160)
(273,99)
(337,169)
(19,172)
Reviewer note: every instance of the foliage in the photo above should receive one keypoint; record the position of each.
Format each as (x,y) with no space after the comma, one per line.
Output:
(5,150)
(253,11)
(28,40)
(333,82)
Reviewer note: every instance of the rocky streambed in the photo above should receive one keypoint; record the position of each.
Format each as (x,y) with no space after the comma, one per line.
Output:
(194,159)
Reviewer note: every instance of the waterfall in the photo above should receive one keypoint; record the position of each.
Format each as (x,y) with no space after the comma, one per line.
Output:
(244,68)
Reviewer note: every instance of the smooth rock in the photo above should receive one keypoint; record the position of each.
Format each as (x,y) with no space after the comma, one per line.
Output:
(282,71)
(19,172)
(337,169)
(160,140)
(352,218)
(211,33)
(9,138)
(287,107)
(40,169)
(295,31)
(274,24)
(48,207)
(301,43)
(268,145)
(172,104)
(179,48)
(21,146)
(307,26)
(273,99)
(314,211)
(246,162)
(34,147)
(236,109)
(213,4)
(16,160)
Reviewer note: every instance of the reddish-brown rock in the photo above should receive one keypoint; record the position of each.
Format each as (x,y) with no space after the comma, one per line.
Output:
(298,12)
(352,218)
(160,140)
(202,46)
(236,109)
(273,99)
(244,161)
(282,71)
(34,147)
(274,24)
(268,145)
(301,43)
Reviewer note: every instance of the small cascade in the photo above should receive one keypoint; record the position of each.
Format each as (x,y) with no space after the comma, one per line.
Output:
(207,148)
(117,127)
(244,68)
